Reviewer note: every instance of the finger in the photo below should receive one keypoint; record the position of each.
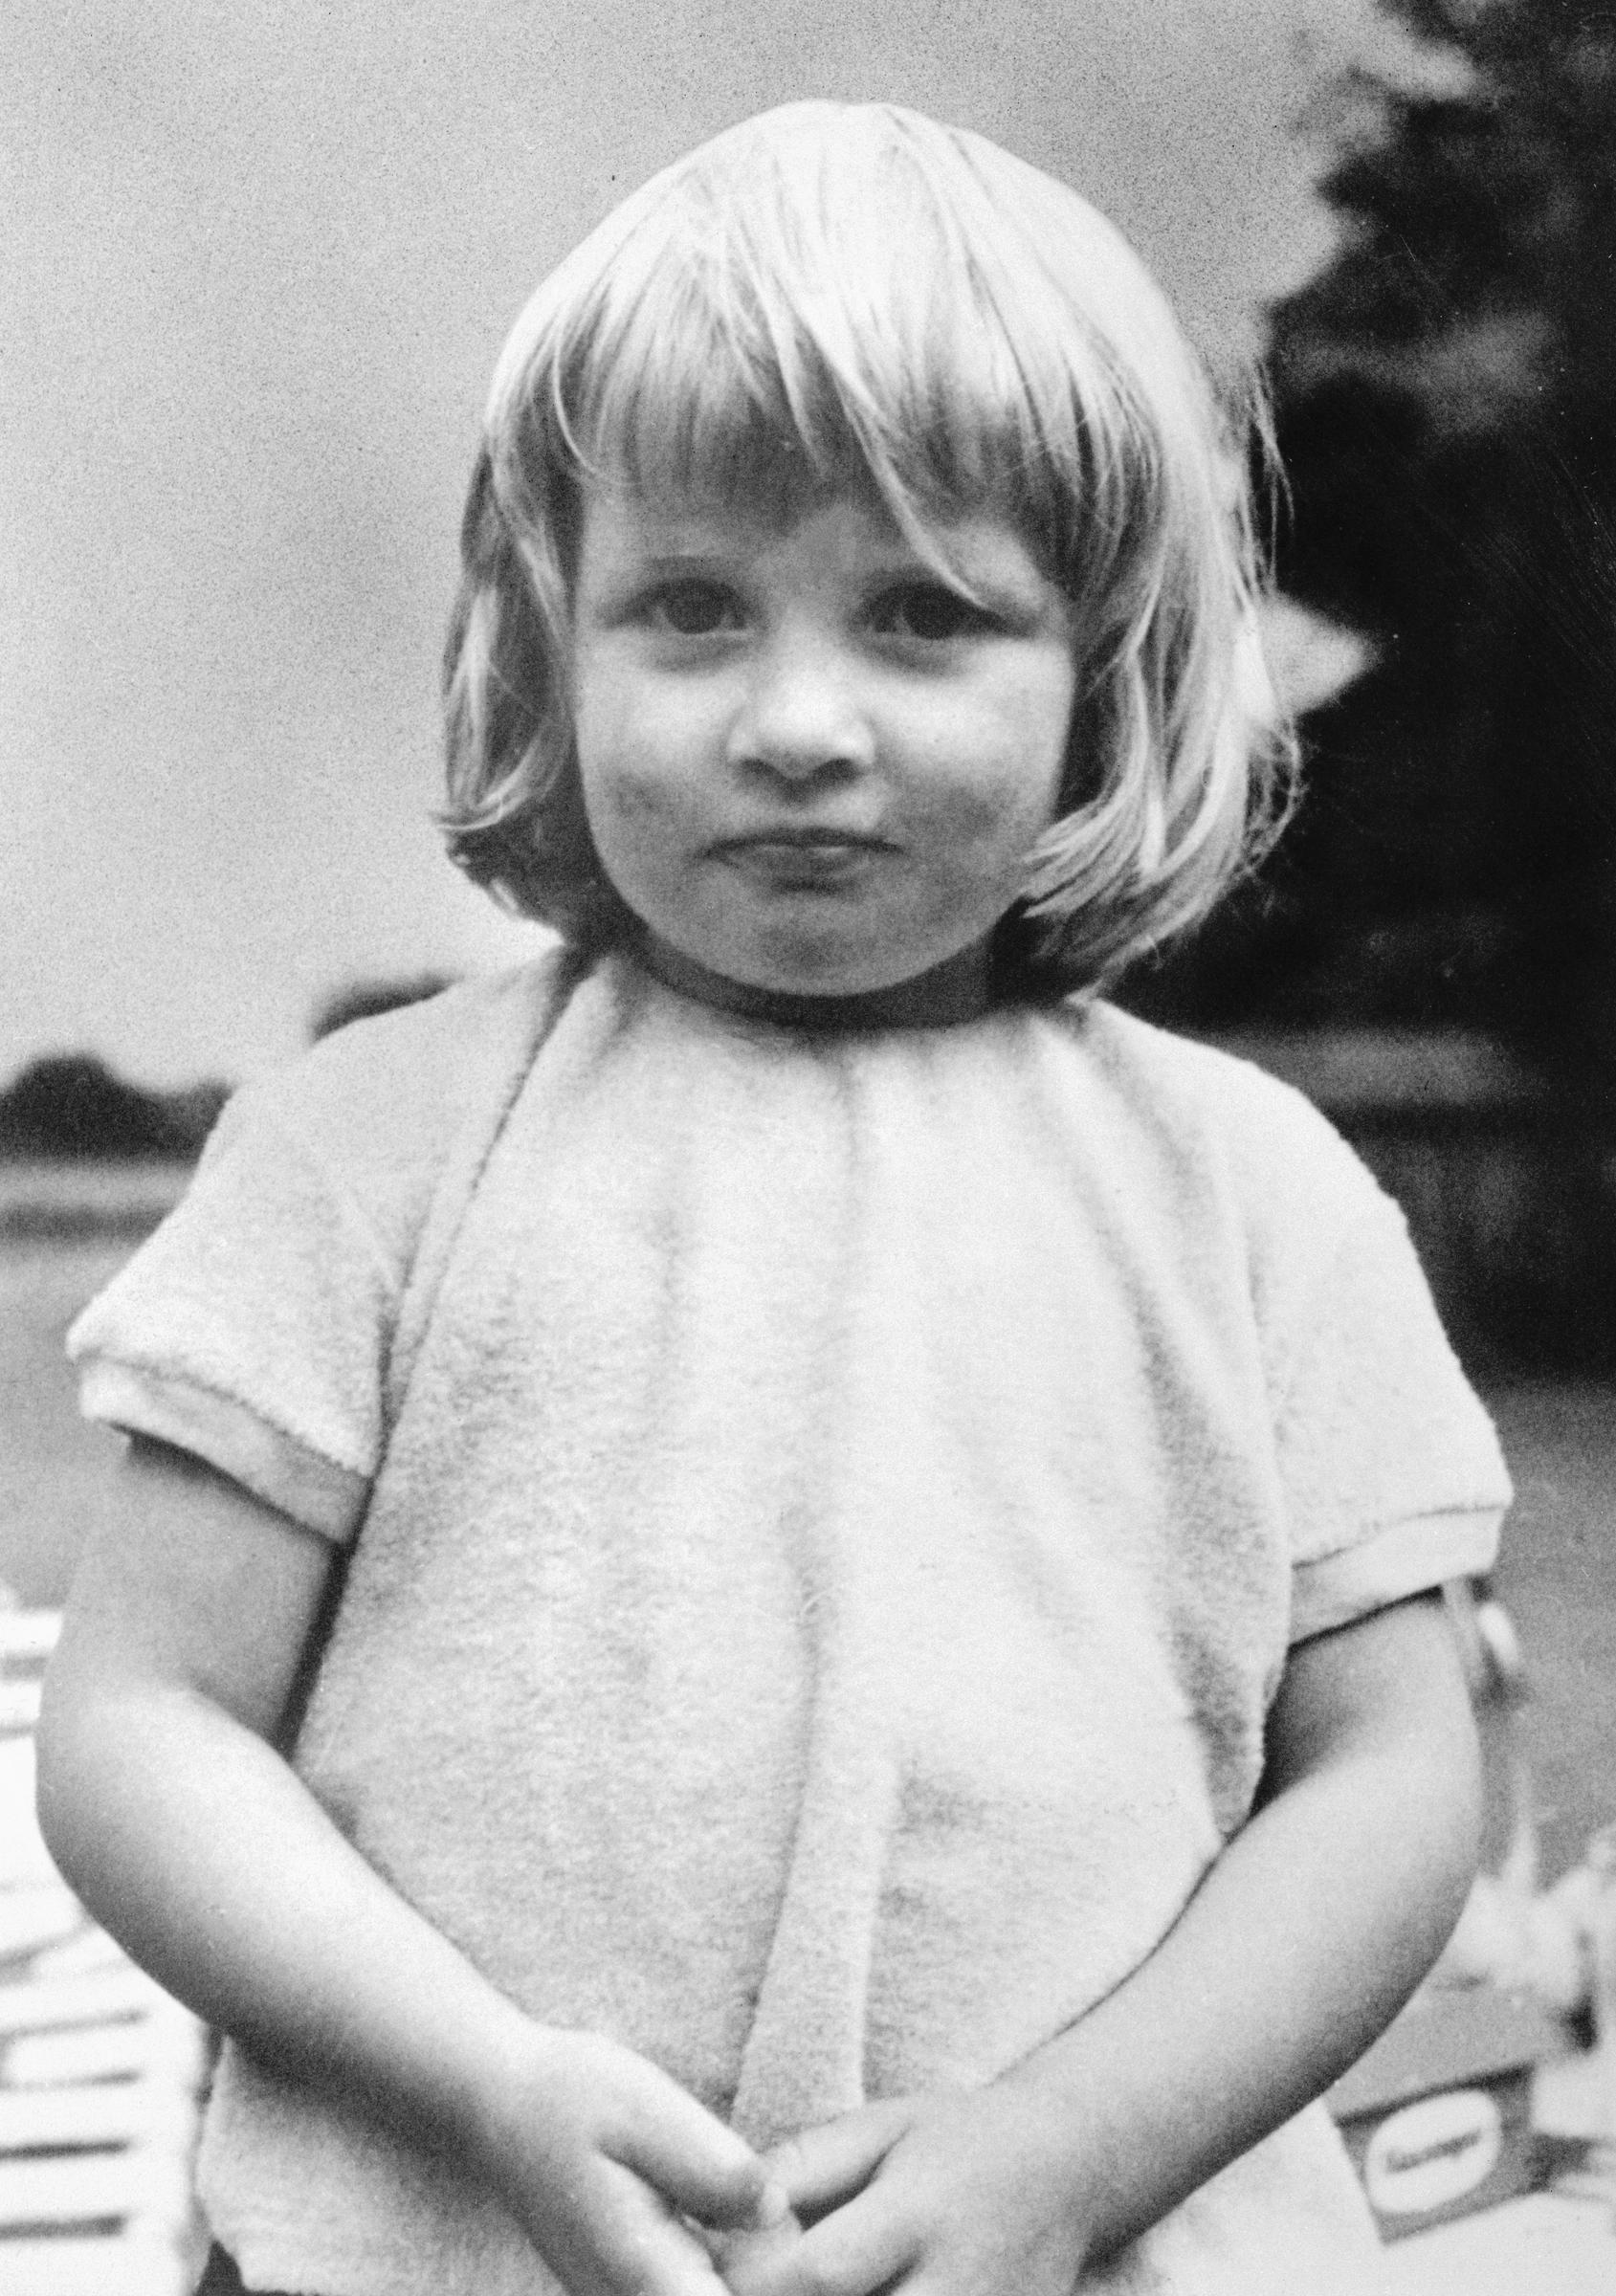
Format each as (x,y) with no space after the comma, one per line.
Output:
(855,2251)
(630,2244)
(701,2167)
(826,2166)
(746,2259)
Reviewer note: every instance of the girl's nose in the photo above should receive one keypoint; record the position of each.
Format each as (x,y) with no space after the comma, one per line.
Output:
(802,714)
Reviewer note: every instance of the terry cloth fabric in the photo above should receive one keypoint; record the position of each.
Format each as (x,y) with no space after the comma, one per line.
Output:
(828,1512)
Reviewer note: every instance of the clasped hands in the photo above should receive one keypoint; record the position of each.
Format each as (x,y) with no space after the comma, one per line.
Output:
(952,2194)
(627,2186)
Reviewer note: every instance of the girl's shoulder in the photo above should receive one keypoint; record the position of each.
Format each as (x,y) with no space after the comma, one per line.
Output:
(415,1061)
(383,1106)
(1220,1111)
(1267,1191)
(1241,1170)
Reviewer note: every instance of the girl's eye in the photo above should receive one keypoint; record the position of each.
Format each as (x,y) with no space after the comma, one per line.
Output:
(928,610)
(693,608)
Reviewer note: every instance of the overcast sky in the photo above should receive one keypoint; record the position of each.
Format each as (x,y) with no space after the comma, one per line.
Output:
(258,260)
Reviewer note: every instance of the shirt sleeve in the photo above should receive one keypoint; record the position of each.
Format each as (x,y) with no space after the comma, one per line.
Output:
(1392,1476)
(252,1329)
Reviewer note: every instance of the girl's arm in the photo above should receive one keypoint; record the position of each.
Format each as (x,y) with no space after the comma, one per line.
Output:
(1303,1942)
(168,1808)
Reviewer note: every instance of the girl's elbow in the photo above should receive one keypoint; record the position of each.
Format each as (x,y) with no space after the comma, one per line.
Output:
(1434,1850)
(1456,1799)
(69,1791)
(90,1735)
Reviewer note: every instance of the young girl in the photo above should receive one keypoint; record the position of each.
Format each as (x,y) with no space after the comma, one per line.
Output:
(770,1615)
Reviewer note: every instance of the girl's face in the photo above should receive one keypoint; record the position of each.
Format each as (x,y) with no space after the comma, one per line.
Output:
(812,766)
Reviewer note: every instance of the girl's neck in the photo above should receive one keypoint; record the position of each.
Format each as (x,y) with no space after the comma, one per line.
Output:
(954,991)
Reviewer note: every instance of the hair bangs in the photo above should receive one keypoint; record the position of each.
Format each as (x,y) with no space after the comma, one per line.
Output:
(805,313)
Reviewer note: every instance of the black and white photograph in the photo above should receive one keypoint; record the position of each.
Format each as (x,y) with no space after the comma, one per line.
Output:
(807,1148)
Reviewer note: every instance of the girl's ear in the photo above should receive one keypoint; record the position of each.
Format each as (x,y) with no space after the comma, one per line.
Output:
(566,529)
(1088,744)
(515,821)
(496,673)
(482,513)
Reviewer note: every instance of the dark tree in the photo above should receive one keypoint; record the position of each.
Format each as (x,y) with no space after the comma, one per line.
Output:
(72,1105)
(363,1000)
(1446,402)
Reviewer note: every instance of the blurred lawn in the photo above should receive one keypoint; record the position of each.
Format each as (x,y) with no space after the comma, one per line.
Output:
(50,1462)
(1558,1575)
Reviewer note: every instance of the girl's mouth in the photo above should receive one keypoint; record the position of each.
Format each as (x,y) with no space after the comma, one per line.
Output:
(804,858)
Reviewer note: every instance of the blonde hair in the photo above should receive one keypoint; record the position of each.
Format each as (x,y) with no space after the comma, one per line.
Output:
(836,296)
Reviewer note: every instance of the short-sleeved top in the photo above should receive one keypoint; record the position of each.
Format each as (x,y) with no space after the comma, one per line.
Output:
(826,1516)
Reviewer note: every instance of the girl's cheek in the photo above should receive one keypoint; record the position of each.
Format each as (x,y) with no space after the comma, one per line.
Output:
(639,828)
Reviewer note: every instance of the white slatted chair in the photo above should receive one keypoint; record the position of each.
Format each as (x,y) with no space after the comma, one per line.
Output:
(100,2070)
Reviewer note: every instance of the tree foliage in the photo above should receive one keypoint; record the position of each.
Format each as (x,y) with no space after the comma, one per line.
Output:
(1446,406)
(364,1000)
(72,1105)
